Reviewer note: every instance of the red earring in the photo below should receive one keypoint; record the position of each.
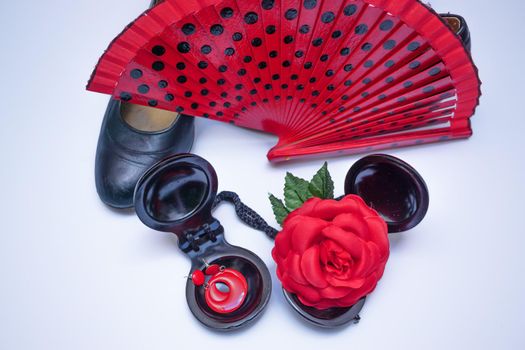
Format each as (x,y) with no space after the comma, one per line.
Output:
(226,289)
(198,278)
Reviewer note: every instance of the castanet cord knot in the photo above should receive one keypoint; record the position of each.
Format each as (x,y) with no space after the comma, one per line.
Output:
(245,213)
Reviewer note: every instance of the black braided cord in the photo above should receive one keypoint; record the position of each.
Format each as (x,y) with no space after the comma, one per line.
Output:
(245,213)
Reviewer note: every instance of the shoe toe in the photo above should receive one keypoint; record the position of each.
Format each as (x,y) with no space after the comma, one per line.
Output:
(116,178)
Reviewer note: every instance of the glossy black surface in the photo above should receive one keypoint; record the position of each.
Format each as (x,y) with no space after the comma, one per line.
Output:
(124,154)
(463,32)
(176,195)
(391,187)
(327,318)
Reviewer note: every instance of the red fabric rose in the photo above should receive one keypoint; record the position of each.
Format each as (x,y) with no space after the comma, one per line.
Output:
(331,253)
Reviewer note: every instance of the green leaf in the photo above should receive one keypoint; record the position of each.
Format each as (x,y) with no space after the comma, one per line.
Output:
(279,210)
(296,191)
(322,185)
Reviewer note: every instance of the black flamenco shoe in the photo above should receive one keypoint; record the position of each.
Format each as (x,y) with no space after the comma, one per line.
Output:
(459,26)
(132,139)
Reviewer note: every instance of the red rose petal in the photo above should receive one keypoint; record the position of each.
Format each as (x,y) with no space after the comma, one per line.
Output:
(371,261)
(378,232)
(321,304)
(332,292)
(347,240)
(363,262)
(307,233)
(354,223)
(350,300)
(353,283)
(308,207)
(293,268)
(311,268)
(283,239)
(329,208)
(309,294)
(375,263)
(367,288)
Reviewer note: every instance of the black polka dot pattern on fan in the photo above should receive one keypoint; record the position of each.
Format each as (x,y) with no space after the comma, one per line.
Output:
(361,29)
(414,65)
(350,10)
(270,29)
(136,74)
(184,47)
(386,25)
(143,89)
(251,18)
(188,28)
(327,17)
(125,96)
(434,71)
(227,12)
(206,49)
(304,29)
(413,46)
(237,36)
(389,44)
(217,29)
(157,66)
(245,60)
(267,4)
(290,14)
(158,50)
(310,4)
(366,47)
(317,42)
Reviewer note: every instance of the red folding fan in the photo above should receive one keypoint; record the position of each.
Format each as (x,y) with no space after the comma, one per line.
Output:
(327,77)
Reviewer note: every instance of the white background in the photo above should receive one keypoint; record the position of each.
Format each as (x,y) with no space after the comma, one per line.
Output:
(77,275)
